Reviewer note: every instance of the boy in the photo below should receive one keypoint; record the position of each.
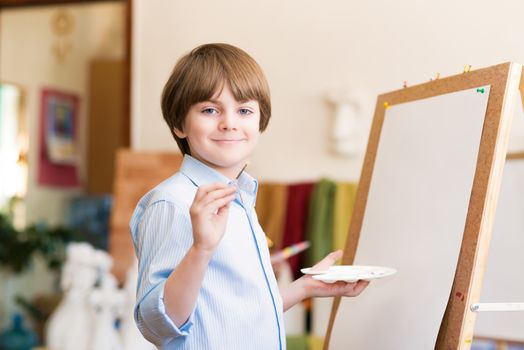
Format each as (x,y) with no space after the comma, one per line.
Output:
(205,277)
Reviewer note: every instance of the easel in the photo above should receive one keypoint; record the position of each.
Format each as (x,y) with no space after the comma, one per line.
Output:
(457,326)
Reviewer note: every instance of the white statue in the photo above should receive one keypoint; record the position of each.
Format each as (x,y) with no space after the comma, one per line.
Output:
(131,336)
(107,302)
(351,121)
(69,327)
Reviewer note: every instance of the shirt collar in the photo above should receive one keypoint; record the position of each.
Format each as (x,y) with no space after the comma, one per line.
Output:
(201,174)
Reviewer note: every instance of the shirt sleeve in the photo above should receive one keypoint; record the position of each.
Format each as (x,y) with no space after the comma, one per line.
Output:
(162,238)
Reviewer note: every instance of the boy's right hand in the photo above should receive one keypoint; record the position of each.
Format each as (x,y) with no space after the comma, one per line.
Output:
(209,213)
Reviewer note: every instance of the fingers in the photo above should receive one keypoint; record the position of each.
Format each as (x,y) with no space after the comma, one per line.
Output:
(214,206)
(334,256)
(218,199)
(221,204)
(359,288)
(205,189)
(330,259)
(210,193)
(217,194)
(340,288)
(354,289)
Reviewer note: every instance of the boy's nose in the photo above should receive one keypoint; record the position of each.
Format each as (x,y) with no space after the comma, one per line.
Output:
(228,121)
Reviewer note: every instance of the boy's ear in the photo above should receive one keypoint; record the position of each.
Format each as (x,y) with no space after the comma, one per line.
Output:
(179,133)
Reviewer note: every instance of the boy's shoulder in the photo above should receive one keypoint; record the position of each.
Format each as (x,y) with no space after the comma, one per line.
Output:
(177,189)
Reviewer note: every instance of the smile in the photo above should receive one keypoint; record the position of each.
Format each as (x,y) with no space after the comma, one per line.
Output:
(228,140)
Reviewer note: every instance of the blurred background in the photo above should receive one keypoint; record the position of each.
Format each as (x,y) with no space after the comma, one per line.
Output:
(81,79)
(63,113)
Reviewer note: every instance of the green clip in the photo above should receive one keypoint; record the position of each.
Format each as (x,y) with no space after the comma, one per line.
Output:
(481,90)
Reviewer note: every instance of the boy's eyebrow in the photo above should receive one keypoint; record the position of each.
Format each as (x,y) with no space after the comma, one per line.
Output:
(209,100)
(212,100)
(241,102)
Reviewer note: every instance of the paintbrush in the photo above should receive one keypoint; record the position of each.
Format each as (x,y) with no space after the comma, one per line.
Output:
(241,171)
(269,241)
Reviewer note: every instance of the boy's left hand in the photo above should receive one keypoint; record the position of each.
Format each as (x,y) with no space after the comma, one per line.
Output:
(314,288)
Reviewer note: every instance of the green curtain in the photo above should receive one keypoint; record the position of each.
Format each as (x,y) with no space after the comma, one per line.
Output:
(319,228)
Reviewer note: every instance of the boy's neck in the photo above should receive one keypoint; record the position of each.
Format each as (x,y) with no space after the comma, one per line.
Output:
(232,173)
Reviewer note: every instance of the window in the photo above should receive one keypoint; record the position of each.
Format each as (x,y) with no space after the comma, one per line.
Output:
(13,144)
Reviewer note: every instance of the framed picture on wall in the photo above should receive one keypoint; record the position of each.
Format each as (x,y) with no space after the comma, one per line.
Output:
(58,155)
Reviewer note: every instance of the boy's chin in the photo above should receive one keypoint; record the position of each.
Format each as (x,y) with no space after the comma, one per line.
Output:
(230,163)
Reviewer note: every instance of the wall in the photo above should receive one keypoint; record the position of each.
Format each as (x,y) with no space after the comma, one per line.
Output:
(309,47)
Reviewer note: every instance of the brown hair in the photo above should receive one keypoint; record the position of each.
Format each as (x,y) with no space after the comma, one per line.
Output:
(203,71)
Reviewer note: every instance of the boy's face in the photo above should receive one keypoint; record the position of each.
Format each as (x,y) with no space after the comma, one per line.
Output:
(222,132)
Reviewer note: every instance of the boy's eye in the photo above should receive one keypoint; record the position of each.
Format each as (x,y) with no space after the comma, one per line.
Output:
(244,111)
(209,111)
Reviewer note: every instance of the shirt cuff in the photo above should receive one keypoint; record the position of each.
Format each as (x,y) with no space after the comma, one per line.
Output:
(153,312)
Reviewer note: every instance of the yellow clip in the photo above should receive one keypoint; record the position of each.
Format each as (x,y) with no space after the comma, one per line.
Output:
(437,77)
(468,341)
(269,242)
(386,105)
(467,68)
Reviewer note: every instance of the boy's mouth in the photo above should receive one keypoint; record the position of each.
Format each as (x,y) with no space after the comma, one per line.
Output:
(228,140)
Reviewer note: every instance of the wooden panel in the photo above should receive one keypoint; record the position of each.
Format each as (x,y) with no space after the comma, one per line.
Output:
(105,133)
(136,173)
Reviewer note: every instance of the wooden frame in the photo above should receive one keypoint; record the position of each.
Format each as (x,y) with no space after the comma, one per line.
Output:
(519,155)
(24,3)
(456,331)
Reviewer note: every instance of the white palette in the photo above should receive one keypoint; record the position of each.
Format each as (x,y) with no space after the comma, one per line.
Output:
(352,273)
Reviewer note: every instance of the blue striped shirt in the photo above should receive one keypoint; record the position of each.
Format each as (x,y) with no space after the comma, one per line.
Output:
(239,304)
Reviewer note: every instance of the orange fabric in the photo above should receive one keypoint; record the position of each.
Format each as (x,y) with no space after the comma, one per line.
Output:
(343,210)
(271,209)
